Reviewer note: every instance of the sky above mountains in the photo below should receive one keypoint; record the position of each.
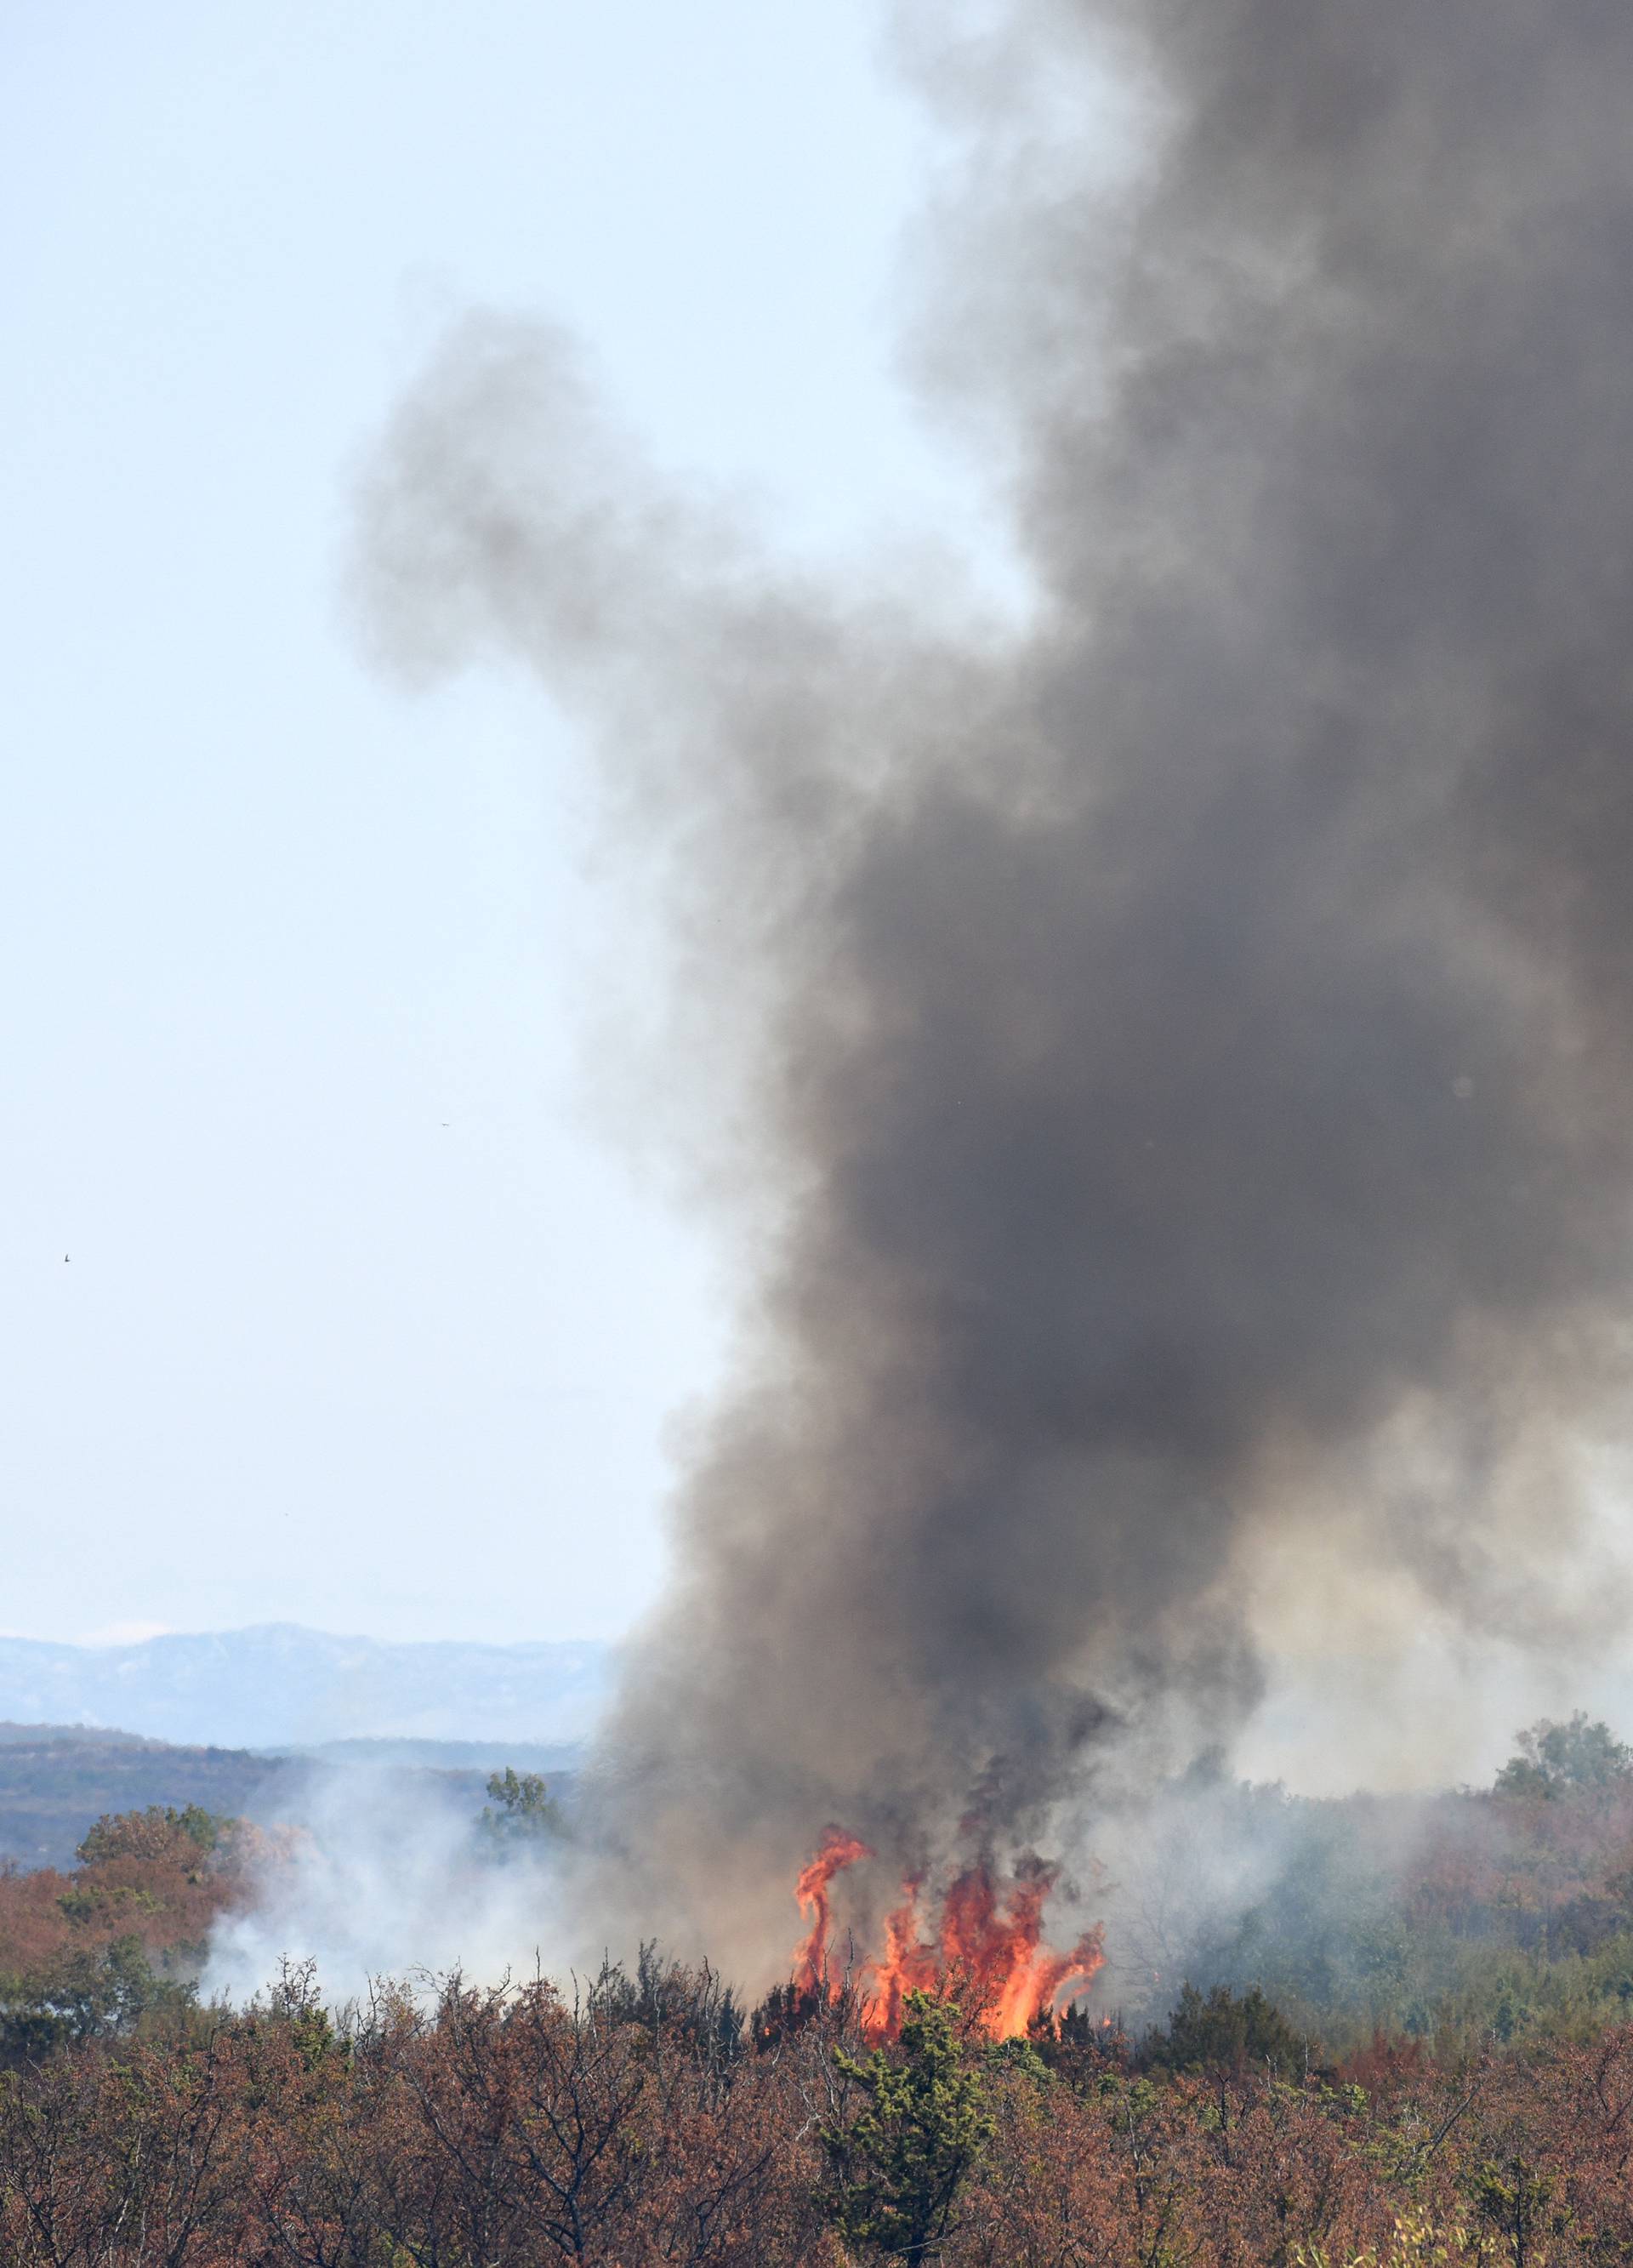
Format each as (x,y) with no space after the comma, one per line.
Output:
(329,1288)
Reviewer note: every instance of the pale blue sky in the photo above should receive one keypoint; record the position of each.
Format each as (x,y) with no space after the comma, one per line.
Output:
(265,922)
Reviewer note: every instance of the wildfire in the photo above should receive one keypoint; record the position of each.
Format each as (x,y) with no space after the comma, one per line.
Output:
(986,1950)
(836,1851)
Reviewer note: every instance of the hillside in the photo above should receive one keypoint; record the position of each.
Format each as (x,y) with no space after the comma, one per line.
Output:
(280,1686)
(57,1780)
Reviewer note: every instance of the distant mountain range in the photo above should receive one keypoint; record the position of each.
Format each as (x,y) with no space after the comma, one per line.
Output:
(280,1686)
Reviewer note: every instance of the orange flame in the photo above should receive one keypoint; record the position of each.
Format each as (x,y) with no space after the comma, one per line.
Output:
(837,1849)
(991,1955)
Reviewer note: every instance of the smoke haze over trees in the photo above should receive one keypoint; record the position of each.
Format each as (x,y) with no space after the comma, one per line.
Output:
(647,2114)
(1167,1045)
(1448,1921)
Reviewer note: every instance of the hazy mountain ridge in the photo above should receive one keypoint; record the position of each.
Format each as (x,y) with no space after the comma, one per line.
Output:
(56,1780)
(279,1685)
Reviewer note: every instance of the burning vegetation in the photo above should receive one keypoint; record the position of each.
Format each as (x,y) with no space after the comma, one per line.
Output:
(1406,2045)
(980,1944)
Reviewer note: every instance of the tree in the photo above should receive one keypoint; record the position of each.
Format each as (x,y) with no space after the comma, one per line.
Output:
(161,1831)
(1515,2199)
(1223,2033)
(896,2170)
(528,1815)
(1554,1759)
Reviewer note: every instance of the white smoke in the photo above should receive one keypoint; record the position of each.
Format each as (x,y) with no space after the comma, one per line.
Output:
(382,1880)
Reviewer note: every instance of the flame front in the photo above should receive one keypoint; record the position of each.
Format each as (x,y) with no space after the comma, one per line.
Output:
(986,1952)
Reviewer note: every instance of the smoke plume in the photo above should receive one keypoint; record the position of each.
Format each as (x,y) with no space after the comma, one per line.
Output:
(1171,1050)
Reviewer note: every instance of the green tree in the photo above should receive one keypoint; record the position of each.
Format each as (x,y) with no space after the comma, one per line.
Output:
(160,1832)
(526,1815)
(896,2168)
(1222,2032)
(90,1995)
(1515,2199)
(1554,1759)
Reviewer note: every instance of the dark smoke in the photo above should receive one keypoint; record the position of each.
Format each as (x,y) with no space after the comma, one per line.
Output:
(1174,1054)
